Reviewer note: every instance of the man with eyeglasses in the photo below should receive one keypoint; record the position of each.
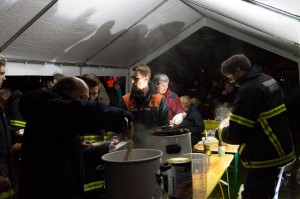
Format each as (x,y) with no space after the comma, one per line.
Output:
(259,124)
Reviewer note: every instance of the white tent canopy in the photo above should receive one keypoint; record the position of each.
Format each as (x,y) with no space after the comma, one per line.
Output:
(108,37)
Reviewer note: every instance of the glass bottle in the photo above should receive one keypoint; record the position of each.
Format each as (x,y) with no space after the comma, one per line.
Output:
(206,144)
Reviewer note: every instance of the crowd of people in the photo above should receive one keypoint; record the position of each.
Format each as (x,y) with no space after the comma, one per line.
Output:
(69,115)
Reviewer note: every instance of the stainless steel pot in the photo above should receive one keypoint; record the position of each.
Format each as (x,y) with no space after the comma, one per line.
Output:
(172,141)
(134,178)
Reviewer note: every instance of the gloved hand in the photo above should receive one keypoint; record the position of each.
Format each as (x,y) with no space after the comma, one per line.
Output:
(211,132)
(128,125)
(5,183)
(128,115)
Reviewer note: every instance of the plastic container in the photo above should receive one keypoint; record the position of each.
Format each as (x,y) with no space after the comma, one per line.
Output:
(200,167)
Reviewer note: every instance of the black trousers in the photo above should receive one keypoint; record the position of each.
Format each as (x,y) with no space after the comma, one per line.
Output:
(260,183)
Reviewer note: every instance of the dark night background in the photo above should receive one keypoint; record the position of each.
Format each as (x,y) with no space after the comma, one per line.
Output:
(200,55)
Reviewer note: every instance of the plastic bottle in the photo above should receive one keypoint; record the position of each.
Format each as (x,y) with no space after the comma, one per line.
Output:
(221,149)
(206,145)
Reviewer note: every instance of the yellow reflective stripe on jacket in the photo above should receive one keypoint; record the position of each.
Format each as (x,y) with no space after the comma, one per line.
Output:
(91,138)
(94,185)
(242,120)
(272,137)
(268,130)
(273,112)
(219,132)
(270,163)
(8,193)
(17,123)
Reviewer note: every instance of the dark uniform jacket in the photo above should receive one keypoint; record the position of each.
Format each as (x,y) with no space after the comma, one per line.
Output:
(15,120)
(52,164)
(259,123)
(5,147)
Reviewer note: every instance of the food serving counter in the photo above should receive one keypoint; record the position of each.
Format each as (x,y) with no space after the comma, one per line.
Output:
(229,149)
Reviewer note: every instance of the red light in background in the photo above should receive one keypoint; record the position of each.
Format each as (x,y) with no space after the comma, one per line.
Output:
(110,81)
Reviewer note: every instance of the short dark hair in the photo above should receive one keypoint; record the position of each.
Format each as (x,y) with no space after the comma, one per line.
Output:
(89,80)
(92,76)
(143,69)
(230,65)
(58,76)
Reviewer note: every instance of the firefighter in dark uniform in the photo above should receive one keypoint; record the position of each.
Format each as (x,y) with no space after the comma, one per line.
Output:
(54,121)
(259,124)
(93,182)
(6,188)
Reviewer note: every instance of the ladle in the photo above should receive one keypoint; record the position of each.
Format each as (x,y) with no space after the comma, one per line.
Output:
(128,133)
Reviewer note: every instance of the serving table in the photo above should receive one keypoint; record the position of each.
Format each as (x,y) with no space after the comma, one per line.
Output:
(218,166)
(229,149)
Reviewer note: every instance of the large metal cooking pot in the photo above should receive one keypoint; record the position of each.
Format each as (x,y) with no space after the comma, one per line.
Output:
(133,178)
(172,141)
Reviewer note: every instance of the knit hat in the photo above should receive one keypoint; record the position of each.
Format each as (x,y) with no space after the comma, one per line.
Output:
(117,82)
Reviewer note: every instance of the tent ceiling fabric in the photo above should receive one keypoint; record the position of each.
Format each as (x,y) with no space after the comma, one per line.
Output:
(15,14)
(120,33)
(149,34)
(291,7)
(266,25)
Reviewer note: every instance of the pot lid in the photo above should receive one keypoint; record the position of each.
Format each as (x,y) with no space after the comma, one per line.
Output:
(169,131)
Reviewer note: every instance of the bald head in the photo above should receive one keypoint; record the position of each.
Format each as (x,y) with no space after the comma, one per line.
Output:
(72,87)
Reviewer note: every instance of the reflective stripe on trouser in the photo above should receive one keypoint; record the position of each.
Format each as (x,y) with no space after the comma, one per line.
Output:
(17,123)
(93,185)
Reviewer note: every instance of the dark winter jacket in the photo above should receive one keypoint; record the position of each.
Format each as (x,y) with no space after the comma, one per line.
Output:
(13,113)
(52,164)
(259,123)
(195,123)
(15,120)
(143,114)
(146,118)
(114,98)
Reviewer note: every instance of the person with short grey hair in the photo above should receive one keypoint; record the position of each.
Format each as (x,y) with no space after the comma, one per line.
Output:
(160,78)
(161,82)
